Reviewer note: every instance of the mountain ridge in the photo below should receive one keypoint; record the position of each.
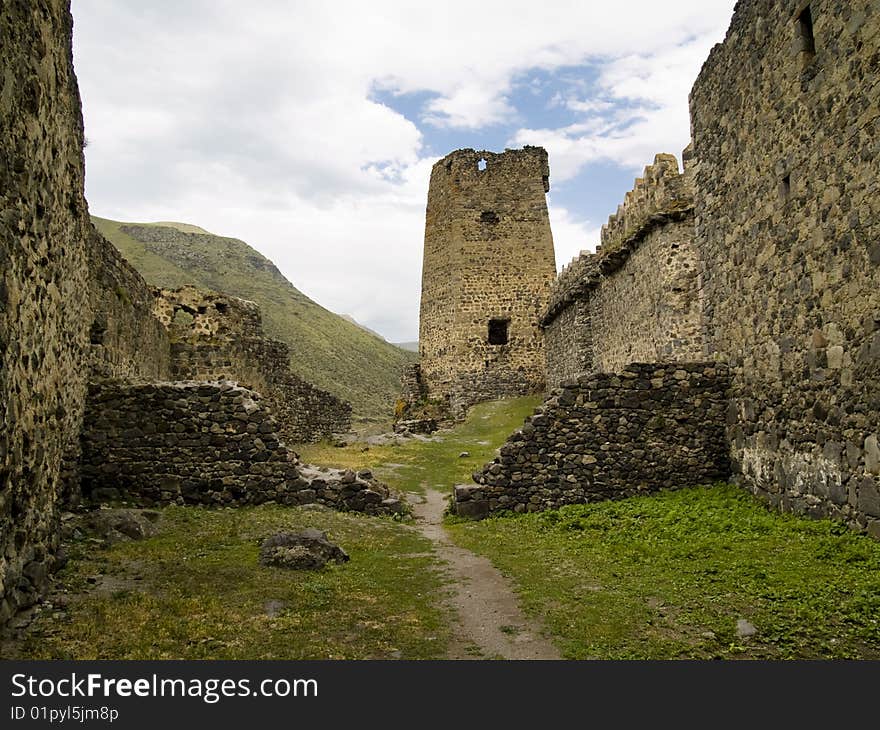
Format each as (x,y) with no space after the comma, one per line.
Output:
(326,349)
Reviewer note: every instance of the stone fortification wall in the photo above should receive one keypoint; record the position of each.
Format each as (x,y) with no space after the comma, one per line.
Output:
(214,336)
(785,120)
(637,298)
(43,287)
(488,265)
(125,339)
(204,443)
(608,436)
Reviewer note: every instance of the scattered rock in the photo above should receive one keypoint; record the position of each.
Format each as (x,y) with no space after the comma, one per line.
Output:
(114,525)
(744,629)
(305,550)
(273,608)
(464,454)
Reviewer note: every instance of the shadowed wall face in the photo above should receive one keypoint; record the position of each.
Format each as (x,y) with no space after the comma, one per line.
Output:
(785,132)
(43,287)
(488,266)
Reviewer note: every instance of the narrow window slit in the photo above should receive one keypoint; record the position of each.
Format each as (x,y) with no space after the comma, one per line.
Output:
(805,32)
(785,188)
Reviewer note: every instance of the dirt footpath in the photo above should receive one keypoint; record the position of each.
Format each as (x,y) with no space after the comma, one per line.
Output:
(492,626)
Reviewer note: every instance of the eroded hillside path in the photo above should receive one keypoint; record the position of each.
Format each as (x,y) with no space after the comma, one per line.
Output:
(489,617)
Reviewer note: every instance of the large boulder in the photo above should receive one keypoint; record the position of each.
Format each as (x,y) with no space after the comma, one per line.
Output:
(305,550)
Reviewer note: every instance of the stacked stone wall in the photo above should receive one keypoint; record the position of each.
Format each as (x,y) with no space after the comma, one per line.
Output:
(637,298)
(204,443)
(125,339)
(488,256)
(214,336)
(608,436)
(785,136)
(43,287)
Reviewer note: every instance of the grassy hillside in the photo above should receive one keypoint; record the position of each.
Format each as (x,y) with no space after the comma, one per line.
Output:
(325,349)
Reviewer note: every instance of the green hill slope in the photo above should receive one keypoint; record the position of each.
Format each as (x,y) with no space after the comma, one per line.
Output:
(325,349)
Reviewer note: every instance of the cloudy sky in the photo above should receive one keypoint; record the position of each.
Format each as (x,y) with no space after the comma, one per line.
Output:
(308,129)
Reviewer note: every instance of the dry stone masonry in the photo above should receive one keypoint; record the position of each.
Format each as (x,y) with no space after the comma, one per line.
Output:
(763,256)
(43,288)
(488,266)
(786,134)
(761,261)
(636,299)
(606,436)
(215,337)
(204,443)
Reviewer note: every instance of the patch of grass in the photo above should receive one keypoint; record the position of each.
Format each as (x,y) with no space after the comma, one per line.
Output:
(196,591)
(437,462)
(669,575)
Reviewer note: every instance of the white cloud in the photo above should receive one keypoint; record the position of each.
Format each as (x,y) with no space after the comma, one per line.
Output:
(258,120)
(571,236)
(640,108)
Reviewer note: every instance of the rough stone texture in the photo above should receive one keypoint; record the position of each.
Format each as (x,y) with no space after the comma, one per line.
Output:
(113,525)
(488,256)
(788,232)
(125,339)
(636,298)
(204,443)
(307,549)
(43,287)
(608,436)
(215,336)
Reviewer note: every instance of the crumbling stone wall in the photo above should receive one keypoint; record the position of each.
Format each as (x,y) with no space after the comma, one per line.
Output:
(214,336)
(488,266)
(608,436)
(785,122)
(204,443)
(125,339)
(637,298)
(43,287)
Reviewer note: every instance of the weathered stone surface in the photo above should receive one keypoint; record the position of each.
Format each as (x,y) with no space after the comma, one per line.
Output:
(488,258)
(305,550)
(787,208)
(193,445)
(635,299)
(113,525)
(219,337)
(608,436)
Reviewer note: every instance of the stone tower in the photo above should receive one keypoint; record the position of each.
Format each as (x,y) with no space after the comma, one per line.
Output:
(488,266)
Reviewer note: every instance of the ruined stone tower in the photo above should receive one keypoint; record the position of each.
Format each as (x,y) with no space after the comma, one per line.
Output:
(488,266)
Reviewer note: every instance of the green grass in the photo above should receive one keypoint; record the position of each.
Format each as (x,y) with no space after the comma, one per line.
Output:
(437,463)
(668,576)
(325,348)
(195,591)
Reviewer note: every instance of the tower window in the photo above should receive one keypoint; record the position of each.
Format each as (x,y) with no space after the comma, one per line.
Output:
(805,32)
(785,188)
(498,331)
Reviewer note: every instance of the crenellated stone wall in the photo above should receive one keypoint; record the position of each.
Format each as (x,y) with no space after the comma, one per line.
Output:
(785,133)
(637,298)
(215,336)
(488,266)
(608,436)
